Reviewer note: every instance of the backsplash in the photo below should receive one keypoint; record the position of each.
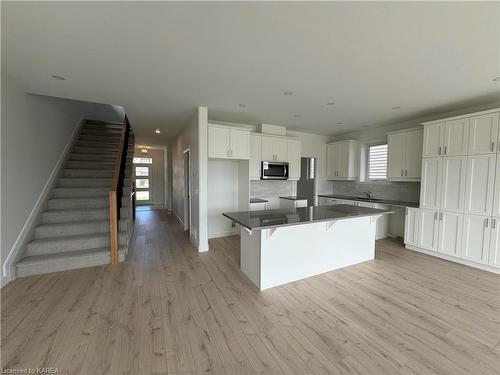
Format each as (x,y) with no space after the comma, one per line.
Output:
(267,189)
(401,191)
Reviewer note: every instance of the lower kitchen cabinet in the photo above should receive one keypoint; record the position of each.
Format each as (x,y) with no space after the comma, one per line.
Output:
(494,256)
(450,229)
(411,226)
(428,228)
(476,238)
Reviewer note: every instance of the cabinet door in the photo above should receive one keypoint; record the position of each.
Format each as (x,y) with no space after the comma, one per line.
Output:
(294,155)
(240,144)
(280,149)
(427,230)
(483,134)
(411,226)
(218,142)
(480,184)
(494,256)
(331,160)
(343,160)
(496,194)
(454,174)
(413,154)
(450,233)
(476,238)
(268,149)
(395,156)
(430,188)
(432,140)
(456,137)
(255,156)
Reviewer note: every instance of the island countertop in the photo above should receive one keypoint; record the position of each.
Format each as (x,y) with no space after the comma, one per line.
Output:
(295,216)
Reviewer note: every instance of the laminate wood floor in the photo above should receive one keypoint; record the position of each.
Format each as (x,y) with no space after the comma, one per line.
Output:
(171,310)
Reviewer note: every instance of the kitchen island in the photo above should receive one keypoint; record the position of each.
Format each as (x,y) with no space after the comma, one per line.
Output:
(285,245)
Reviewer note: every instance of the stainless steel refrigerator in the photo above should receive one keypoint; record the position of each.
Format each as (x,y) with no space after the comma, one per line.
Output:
(306,186)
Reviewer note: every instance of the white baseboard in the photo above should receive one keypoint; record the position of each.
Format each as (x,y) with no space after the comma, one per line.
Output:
(8,273)
(454,259)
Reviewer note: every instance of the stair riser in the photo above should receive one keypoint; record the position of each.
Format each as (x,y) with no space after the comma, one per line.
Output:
(80,204)
(93,157)
(91,125)
(85,192)
(89,165)
(85,182)
(111,146)
(100,138)
(66,245)
(87,173)
(94,150)
(76,229)
(107,132)
(68,217)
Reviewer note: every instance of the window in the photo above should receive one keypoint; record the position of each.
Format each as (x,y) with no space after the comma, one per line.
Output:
(377,162)
(143,161)
(142,171)
(142,183)
(142,195)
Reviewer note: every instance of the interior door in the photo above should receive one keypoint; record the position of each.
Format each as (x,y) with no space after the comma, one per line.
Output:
(483,134)
(395,156)
(413,154)
(494,256)
(218,142)
(454,174)
(480,184)
(456,137)
(450,230)
(476,238)
(428,230)
(430,188)
(240,144)
(280,149)
(432,140)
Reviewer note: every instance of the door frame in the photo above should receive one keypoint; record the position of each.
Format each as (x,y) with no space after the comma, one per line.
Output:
(187,194)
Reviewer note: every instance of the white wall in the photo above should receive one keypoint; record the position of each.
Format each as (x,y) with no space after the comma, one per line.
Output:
(194,137)
(34,132)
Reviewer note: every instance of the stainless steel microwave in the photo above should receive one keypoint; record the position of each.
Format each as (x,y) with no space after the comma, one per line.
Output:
(272,170)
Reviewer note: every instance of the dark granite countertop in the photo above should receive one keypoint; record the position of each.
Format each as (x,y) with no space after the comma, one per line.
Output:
(296,216)
(374,200)
(258,200)
(293,198)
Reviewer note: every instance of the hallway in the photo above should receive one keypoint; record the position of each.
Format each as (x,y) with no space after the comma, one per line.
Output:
(169,309)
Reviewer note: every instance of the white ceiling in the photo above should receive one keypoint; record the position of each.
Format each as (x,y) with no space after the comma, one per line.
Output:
(161,60)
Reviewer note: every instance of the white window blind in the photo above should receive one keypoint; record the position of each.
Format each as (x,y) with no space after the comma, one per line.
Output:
(377,162)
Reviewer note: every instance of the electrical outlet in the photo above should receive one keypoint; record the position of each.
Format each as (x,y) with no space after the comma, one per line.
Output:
(233,224)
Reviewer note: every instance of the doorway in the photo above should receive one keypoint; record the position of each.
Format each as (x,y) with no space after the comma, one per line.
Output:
(143,183)
(187,191)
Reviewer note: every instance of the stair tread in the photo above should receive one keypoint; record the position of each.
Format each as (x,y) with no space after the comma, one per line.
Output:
(33,259)
(75,237)
(74,211)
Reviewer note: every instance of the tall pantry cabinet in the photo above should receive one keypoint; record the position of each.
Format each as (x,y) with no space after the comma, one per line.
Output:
(459,212)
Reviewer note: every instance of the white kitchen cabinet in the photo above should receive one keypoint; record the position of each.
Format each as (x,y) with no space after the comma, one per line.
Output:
(294,154)
(494,256)
(433,139)
(453,181)
(411,226)
(404,155)
(430,189)
(228,143)
(258,206)
(341,160)
(496,193)
(476,238)
(428,229)
(293,203)
(274,149)
(456,137)
(450,230)
(255,156)
(480,184)
(483,134)
(325,201)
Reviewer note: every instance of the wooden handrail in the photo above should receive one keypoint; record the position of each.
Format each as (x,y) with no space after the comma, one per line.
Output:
(116,189)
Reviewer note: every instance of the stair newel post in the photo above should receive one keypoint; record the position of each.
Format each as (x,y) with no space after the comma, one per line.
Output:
(115,195)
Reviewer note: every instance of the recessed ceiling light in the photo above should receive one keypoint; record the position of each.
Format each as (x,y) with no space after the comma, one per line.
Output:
(288,93)
(59,78)
(330,103)
(157,131)
(297,115)
(241,105)
(496,79)
(396,107)
(340,123)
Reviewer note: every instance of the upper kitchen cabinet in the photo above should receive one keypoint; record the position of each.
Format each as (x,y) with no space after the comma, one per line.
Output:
(228,143)
(483,134)
(446,138)
(274,149)
(341,160)
(255,156)
(294,149)
(404,155)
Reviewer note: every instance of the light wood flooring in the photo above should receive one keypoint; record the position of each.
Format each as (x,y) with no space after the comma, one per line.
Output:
(171,310)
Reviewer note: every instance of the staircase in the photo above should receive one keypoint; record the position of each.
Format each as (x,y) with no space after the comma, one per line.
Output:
(74,230)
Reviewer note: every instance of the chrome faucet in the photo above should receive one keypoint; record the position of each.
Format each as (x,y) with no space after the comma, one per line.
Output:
(369,194)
